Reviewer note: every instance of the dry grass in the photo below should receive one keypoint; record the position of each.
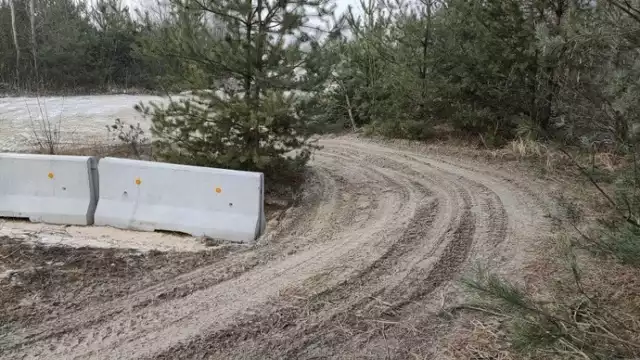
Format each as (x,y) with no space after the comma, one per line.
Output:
(554,159)
(609,161)
(616,288)
(525,148)
(591,304)
(99,149)
(530,150)
(535,158)
(481,339)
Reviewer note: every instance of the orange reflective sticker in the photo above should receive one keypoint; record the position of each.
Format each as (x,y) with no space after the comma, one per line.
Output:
(218,190)
(50,175)
(138,181)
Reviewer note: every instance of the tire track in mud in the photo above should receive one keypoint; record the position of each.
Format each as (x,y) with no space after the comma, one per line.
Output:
(371,293)
(376,229)
(486,225)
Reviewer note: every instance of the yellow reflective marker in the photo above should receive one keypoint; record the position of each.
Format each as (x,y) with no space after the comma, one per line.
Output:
(50,175)
(218,190)
(138,181)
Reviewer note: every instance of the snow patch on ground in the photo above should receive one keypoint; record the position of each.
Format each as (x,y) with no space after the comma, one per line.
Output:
(82,119)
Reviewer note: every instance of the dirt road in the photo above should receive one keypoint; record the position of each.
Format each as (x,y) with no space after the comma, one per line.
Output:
(359,268)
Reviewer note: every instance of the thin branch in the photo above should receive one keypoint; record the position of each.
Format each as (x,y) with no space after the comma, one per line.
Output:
(218,12)
(627,10)
(599,188)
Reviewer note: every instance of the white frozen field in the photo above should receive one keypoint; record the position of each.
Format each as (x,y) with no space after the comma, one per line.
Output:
(82,119)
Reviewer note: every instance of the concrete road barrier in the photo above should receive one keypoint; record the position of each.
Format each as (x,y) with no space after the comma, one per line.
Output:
(217,203)
(48,188)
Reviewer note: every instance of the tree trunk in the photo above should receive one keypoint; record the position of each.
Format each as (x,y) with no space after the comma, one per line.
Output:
(551,87)
(34,48)
(249,71)
(259,41)
(257,72)
(15,40)
(425,47)
(353,122)
(534,71)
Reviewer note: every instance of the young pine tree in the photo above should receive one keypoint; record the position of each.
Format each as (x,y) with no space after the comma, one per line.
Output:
(261,62)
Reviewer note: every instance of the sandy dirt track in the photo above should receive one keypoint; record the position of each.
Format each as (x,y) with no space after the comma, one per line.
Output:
(357,269)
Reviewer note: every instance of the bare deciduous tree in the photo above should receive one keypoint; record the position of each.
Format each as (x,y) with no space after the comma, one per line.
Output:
(34,46)
(46,131)
(15,38)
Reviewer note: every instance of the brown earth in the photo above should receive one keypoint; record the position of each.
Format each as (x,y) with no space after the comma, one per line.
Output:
(363,266)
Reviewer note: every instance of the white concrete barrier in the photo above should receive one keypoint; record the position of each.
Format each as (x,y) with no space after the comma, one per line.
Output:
(48,188)
(217,203)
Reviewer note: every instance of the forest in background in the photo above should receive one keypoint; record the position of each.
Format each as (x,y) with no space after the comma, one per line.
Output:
(495,70)
(561,69)
(75,47)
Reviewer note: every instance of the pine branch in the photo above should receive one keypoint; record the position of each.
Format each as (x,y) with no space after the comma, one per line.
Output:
(218,12)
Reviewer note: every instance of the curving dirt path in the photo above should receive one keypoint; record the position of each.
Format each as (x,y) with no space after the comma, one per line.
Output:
(376,242)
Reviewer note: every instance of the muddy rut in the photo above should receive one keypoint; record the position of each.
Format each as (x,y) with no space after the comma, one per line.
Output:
(379,235)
